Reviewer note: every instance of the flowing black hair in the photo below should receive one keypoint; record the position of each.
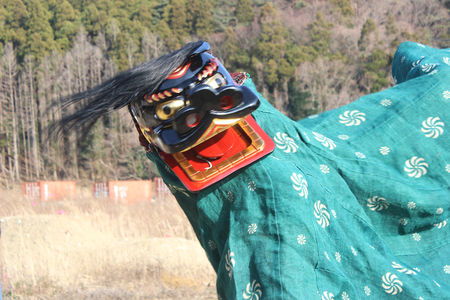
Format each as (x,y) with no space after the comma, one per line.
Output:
(121,90)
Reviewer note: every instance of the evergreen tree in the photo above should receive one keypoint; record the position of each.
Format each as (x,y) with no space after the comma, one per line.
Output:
(40,39)
(65,23)
(244,11)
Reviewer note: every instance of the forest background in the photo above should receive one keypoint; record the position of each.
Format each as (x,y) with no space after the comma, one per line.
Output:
(304,56)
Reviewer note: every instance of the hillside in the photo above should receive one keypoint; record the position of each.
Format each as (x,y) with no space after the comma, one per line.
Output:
(305,57)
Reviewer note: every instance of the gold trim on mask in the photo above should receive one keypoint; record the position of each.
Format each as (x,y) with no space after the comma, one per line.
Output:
(246,132)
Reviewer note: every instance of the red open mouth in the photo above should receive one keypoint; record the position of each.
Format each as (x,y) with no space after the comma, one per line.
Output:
(220,155)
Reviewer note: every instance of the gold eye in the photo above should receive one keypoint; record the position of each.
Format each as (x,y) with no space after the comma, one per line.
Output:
(168,109)
(215,81)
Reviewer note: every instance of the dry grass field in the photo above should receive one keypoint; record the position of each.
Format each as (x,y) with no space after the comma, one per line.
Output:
(87,248)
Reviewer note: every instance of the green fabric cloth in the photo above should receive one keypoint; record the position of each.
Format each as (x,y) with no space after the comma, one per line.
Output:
(352,204)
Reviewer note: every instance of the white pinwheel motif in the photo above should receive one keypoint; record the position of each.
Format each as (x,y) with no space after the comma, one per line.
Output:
(327,296)
(447,168)
(386,102)
(433,127)
(354,252)
(403,221)
(352,118)
(439,210)
(345,296)
(446,94)
(367,290)
(301,239)
(427,67)
(251,185)
(285,142)
(377,203)
(416,167)
(326,142)
(229,262)
(402,269)
(321,213)
(446,60)
(391,284)
(385,150)
(252,291)
(324,169)
(441,224)
(360,155)
(300,184)
(252,228)
(343,137)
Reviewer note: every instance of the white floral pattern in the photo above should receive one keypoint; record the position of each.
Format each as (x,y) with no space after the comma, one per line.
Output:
(322,215)
(327,296)
(252,228)
(432,127)
(386,102)
(212,245)
(345,296)
(252,291)
(446,94)
(352,118)
(337,256)
(384,150)
(377,203)
(251,185)
(326,142)
(446,269)
(354,252)
(230,196)
(411,205)
(402,269)
(300,184)
(367,290)
(416,167)
(285,143)
(324,169)
(343,137)
(416,236)
(403,221)
(447,168)
(391,284)
(229,262)
(439,210)
(301,239)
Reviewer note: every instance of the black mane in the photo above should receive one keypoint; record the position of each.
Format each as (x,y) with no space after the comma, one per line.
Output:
(121,90)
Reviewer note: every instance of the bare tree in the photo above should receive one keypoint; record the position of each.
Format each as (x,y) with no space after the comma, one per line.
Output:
(10,73)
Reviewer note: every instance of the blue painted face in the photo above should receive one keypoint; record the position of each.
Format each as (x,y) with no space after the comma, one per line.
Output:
(199,98)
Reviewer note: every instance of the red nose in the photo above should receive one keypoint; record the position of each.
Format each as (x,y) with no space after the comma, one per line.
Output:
(226,102)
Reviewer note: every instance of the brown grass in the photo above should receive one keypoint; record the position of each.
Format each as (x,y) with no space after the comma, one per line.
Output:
(87,248)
